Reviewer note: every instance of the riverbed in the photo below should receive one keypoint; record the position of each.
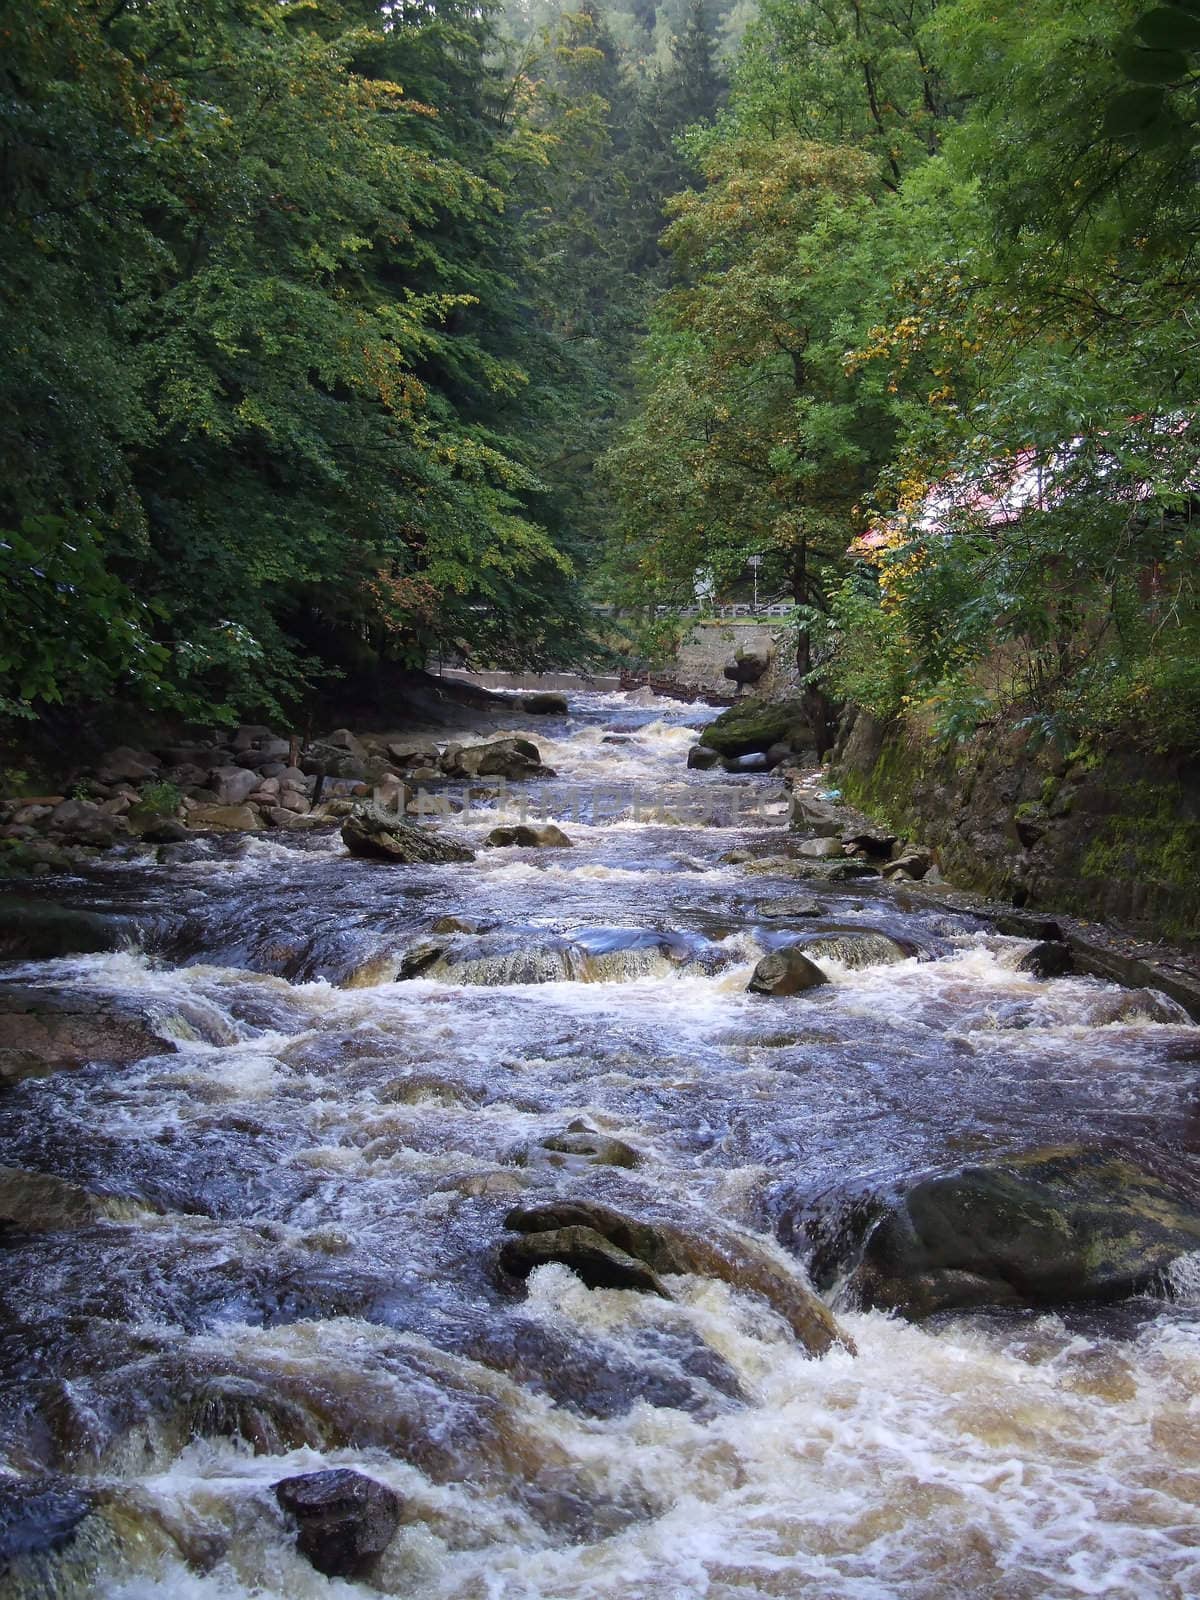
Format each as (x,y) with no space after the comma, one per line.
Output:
(292,1264)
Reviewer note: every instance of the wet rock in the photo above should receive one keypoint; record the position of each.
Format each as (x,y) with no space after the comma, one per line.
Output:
(38,1517)
(576,1150)
(39,1202)
(1047,960)
(756,725)
(785,972)
(380,835)
(454,924)
(701,759)
(856,947)
(527,837)
(670,1249)
(345,1520)
(618,738)
(789,906)
(756,761)
(164,830)
(597,1260)
(62,1028)
(1044,1227)
(225,819)
(831,871)
(39,930)
(513,759)
(545,704)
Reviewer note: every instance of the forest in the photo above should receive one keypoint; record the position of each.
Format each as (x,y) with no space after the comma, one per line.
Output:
(339,333)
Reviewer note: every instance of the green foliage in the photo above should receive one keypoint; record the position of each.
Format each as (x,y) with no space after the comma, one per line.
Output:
(266,383)
(160,799)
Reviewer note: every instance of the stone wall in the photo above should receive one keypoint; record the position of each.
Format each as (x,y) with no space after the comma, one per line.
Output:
(1113,837)
(699,662)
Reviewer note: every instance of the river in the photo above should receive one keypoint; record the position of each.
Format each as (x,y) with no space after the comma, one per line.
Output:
(292,1264)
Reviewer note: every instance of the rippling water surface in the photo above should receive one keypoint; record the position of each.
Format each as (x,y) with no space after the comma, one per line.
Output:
(292,1261)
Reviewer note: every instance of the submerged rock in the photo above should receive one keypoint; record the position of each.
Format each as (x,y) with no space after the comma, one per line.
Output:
(345,1520)
(576,1150)
(39,1202)
(380,835)
(669,1249)
(1044,1227)
(789,906)
(785,972)
(38,1517)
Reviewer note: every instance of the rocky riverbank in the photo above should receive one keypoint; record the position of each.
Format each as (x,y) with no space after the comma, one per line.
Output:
(256,778)
(957,824)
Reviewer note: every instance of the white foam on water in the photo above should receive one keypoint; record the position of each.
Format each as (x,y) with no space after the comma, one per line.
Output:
(1042,1467)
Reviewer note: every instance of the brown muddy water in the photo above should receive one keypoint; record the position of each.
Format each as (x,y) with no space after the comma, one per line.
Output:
(291,1264)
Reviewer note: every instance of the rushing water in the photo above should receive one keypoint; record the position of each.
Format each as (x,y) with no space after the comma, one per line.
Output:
(292,1261)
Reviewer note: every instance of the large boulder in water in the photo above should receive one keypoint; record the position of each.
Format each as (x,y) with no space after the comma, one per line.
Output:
(377,834)
(545,703)
(554,1232)
(39,930)
(44,1029)
(512,758)
(756,725)
(598,1261)
(784,973)
(344,1520)
(527,836)
(1041,1228)
(855,947)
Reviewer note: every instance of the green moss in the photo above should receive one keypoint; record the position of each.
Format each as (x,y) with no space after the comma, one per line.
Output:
(755,725)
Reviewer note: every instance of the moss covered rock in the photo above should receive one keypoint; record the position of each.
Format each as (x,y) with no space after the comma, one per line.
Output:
(754,725)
